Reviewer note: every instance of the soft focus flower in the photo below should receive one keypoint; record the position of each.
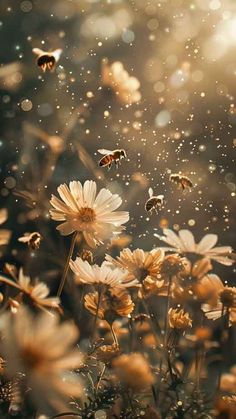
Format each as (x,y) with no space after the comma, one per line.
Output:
(44,351)
(228,381)
(47,60)
(139,264)
(37,294)
(100,275)
(226,303)
(133,370)
(5,235)
(112,303)
(106,353)
(195,282)
(172,266)
(178,319)
(225,407)
(118,79)
(81,210)
(32,239)
(152,286)
(185,243)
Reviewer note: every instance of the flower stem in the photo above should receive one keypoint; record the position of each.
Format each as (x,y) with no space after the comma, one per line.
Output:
(63,279)
(166,311)
(114,335)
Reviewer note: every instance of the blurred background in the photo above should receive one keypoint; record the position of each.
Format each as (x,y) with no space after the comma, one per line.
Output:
(52,124)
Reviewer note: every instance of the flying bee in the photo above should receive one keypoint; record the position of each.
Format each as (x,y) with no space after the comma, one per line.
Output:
(182,181)
(111,156)
(32,239)
(47,60)
(154,203)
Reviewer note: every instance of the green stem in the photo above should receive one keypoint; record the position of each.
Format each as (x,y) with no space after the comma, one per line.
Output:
(66,268)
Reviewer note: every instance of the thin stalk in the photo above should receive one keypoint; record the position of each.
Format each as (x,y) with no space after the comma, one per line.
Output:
(114,335)
(167,310)
(97,310)
(66,268)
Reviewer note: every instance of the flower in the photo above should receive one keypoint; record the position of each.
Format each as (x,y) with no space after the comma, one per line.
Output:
(228,380)
(125,87)
(226,303)
(185,243)
(106,353)
(133,370)
(100,275)
(138,263)
(172,266)
(37,294)
(32,239)
(196,282)
(81,210)
(5,235)
(47,60)
(178,319)
(42,349)
(112,303)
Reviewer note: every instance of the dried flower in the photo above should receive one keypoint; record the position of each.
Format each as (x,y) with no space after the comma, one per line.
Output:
(100,275)
(37,294)
(47,60)
(138,263)
(32,239)
(185,243)
(112,303)
(106,353)
(133,370)
(41,348)
(178,319)
(5,235)
(119,80)
(82,211)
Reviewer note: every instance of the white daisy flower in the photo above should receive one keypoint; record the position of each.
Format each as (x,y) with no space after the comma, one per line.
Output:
(104,274)
(185,243)
(81,210)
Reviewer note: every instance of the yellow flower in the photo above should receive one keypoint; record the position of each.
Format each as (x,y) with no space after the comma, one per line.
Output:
(125,86)
(133,370)
(113,303)
(81,210)
(42,349)
(37,294)
(178,319)
(139,264)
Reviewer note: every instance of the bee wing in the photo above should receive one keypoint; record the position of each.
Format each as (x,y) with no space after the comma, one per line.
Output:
(150,192)
(57,53)
(38,51)
(104,151)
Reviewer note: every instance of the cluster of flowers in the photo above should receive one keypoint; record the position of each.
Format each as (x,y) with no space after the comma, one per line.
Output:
(40,356)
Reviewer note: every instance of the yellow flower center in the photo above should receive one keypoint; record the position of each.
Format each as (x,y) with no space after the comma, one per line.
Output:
(86,215)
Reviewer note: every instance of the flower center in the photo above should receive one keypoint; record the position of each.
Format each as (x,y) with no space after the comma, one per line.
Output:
(86,215)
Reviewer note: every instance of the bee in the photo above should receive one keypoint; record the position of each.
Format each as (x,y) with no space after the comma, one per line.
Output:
(154,203)
(182,181)
(111,156)
(32,239)
(47,60)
